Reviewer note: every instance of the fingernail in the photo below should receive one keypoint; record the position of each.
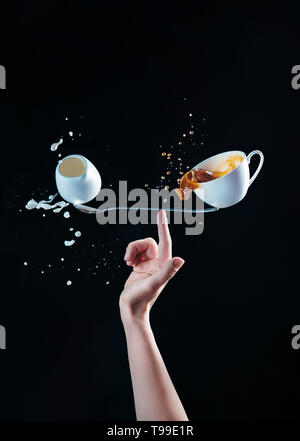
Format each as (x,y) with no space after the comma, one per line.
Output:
(178,263)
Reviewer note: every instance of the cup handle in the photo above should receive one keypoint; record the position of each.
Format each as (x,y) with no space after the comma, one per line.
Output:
(261,161)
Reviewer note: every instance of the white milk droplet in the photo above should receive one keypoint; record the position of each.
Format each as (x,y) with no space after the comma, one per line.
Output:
(61,205)
(71,229)
(69,282)
(107,283)
(77,234)
(31,204)
(71,133)
(25,263)
(55,145)
(78,269)
(67,215)
(69,243)
(62,259)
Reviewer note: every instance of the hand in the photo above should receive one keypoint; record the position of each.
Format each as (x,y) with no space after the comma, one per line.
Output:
(153,266)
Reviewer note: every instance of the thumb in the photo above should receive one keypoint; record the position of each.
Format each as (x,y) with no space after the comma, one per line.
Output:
(166,273)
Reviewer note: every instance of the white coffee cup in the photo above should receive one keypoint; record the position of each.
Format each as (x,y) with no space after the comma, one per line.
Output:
(77,179)
(232,187)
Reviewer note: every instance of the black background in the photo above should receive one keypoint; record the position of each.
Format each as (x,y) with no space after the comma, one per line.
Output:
(224,324)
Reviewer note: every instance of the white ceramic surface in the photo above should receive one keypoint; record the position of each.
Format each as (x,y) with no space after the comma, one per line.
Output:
(79,189)
(231,188)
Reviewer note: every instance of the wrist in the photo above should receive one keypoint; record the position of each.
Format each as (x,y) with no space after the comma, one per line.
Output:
(134,315)
(137,328)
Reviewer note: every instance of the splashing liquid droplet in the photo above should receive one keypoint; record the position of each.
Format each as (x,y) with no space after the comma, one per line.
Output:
(69,243)
(55,145)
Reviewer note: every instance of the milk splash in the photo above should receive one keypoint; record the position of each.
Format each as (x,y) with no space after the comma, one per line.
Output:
(69,243)
(55,145)
(46,204)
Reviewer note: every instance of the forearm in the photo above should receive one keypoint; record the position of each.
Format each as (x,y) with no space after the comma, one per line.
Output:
(154,394)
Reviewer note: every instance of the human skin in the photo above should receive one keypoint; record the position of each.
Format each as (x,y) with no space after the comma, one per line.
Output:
(152,265)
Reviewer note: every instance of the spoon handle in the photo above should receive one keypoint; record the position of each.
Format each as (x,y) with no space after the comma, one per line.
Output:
(91,210)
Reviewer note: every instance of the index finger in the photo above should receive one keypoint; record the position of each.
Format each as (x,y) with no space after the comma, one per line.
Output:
(165,241)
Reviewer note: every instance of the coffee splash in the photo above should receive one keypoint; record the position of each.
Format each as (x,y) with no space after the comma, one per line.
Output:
(193,178)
